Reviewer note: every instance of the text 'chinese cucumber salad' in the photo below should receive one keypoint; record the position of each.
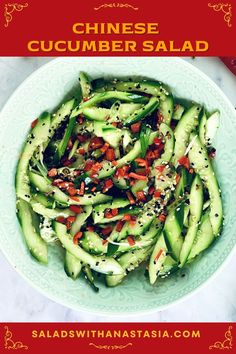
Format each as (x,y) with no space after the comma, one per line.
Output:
(118,176)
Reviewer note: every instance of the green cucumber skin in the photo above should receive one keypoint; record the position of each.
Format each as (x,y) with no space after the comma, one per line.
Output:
(178,111)
(142,113)
(166,109)
(151,87)
(36,137)
(72,266)
(186,125)
(98,263)
(172,236)
(202,165)
(202,128)
(85,83)
(36,245)
(155,265)
(196,204)
(169,144)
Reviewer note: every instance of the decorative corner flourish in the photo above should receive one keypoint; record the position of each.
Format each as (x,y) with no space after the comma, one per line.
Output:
(10,8)
(115,5)
(226,9)
(111,347)
(10,344)
(227,343)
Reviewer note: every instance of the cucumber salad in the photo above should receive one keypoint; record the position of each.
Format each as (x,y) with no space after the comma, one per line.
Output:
(121,174)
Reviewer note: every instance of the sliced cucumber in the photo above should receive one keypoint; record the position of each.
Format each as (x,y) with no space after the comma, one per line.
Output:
(168,267)
(196,203)
(72,266)
(166,109)
(212,125)
(202,128)
(50,213)
(178,111)
(157,259)
(36,137)
(36,245)
(200,161)
(80,219)
(96,113)
(92,243)
(182,132)
(172,234)
(100,264)
(142,113)
(168,134)
(85,83)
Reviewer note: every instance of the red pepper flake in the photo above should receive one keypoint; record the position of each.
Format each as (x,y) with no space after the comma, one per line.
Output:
(63,185)
(104,242)
(122,172)
(77,236)
(72,191)
(108,184)
(159,254)
(132,222)
(69,221)
(82,188)
(115,124)
(158,141)
(141,196)
(106,231)
(131,199)
(135,127)
(184,161)
(80,119)
(141,162)
(70,144)
(119,225)
(177,178)
(81,138)
(104,148)
(95,168)
(131,240)
(114,212)
(93,189)
(81,151)
(191,170)
(57,181)
(67,162)
(160,168)
(108,214)
(136,176)
(212,153)
(90,228)
(110,154)
(85,99)
(61,219)
(162,217)
(52,172)
(95,143)
(88,165)
(114,163)
(34,123)
(76,199)
(76,209)
(160,117)
(157,193)
(126,217)
(151,190)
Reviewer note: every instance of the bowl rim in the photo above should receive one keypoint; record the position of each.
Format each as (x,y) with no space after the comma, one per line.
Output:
(108,313)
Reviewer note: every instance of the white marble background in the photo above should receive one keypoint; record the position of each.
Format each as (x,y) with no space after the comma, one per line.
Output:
(20,302)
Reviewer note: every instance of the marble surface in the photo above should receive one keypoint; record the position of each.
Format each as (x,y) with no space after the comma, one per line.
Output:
(216,301)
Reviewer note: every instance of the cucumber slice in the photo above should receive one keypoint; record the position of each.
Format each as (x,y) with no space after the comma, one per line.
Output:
(138,186)
(36,245)
(166,109)
(199,159)
(212,125)
(178,111)
(92,243)
(168,134)
(120,183)
(157,259)
(72,266)
(142,113)
(36,137)
(186,125)
(150,87)
(100,264)
(196,203)
(202,128)
(96,113)
(204,237)
(80,219)
(85,83)
(50,213)
(172,235)
(90,278)
(168,267)
(44,187)
(128,261)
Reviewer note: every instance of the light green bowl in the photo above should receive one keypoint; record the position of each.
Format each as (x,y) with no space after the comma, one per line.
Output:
(44,90)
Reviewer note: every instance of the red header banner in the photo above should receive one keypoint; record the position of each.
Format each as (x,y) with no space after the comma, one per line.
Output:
(135,27)
(184,338)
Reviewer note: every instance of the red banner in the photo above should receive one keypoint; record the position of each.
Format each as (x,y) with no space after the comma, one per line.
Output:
(135,27)
(126,338)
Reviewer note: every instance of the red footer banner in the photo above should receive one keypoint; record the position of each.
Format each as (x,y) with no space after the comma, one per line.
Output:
(86,338)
